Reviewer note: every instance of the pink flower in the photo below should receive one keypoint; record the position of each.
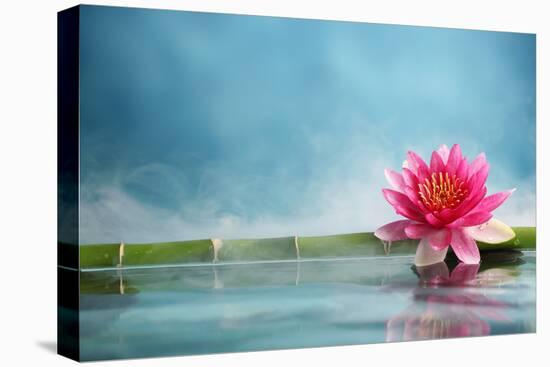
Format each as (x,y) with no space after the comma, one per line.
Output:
(445,204)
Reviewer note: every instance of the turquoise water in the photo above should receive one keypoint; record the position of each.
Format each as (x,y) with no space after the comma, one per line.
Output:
(246,307)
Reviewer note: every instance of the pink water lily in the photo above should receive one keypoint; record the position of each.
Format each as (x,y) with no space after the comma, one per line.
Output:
(445,204)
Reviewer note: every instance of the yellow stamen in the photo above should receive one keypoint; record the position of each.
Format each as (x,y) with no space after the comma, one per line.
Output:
(442,191)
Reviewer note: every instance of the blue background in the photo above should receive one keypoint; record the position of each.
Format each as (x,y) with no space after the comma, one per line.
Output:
(197,125)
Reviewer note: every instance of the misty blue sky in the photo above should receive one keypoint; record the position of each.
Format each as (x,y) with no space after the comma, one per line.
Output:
(198,125)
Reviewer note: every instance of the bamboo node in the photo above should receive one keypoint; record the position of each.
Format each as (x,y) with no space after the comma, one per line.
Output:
(120,253)
(297,247)
(217,244)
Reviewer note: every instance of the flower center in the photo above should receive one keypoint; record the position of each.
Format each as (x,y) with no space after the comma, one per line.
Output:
(442,191)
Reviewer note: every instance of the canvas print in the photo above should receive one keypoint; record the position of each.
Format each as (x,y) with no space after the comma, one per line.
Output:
(233,183)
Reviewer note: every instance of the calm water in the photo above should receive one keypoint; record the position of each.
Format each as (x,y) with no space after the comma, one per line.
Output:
(245,307)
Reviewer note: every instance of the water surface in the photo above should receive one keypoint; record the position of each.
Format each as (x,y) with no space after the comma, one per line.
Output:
(245,307)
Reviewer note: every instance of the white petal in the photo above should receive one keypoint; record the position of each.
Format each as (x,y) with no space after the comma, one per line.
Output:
(426,255)
(444,153)
(494,231)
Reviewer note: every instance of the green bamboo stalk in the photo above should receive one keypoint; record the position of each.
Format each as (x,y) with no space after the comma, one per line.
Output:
(100,255)
(352,245)
(207,251)
(247,250)
(182,252)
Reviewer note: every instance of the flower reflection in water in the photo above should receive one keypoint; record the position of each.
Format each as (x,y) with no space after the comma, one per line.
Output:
(440,311)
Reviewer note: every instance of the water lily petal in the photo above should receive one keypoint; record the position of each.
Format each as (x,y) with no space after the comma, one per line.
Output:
(492,202)
(437,237)
(403,205)
(472,219)
(444,153)
(477,163)
(433,220)
(436,163)
(440,239)
(410,178)
(472,201)
(462,170)
(455,157)
(395,179)
(418,230)
(477,181)
(409,212)
(493,231)
(464,208)
(426,255)
(394,231)
(464,246)
(396,198)
(414,198)
(419,167)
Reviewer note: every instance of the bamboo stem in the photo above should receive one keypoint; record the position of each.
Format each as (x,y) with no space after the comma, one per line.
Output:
(261,250)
